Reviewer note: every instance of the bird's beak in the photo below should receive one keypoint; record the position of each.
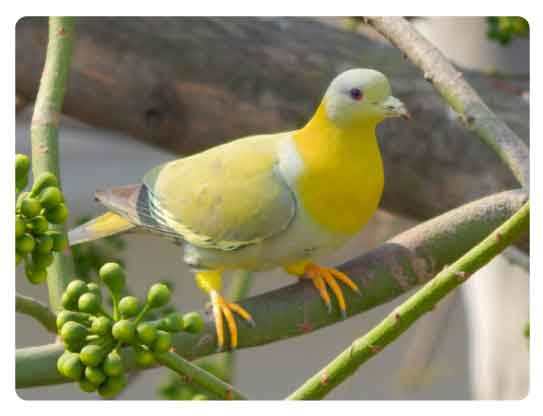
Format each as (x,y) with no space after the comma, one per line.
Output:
(395,108)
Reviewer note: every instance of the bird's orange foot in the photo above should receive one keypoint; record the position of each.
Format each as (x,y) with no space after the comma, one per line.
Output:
(223,309)
(323,277)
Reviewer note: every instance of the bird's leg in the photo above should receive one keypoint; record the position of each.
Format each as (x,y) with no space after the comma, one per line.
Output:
(210,281)
(323,277)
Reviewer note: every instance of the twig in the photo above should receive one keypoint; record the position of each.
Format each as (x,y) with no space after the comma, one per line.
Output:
(37,310)
(458,93)
(207,380)
(402,263)
(44,132)
(397,322)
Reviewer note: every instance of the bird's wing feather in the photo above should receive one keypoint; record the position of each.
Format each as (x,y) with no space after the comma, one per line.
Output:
(225,198)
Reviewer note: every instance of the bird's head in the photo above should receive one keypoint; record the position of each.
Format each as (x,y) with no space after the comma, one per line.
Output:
(361,96)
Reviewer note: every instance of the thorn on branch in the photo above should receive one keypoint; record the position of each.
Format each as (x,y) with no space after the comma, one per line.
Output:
(461,276)
(324,377)
(375,349)
(229,395)
(305,327)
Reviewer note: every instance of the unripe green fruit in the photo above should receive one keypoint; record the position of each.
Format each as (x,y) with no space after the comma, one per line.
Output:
(22,164)
(193,322)
(101,325)
(72,367)
(163,342)
(43,181)
(22,196)
(61,359)
(25,244)
(129,306)
(113,364)
(50,197)
(20,226)
(95,375)
(113,277)
(76,288)
(35,274)
(67,316)
(18,258)
(60,242)
(44,244)
(92,355)
(42,261)
(30,207)
(89,303)
(146,333)
(94,288)
(87,386)
(124,330)
(185,393)
(68,302)
(158,295)
(112,386)
(200,396)
(39,225)
(20,183)
(73,332)
(144,358)
(57,214)
(172,322)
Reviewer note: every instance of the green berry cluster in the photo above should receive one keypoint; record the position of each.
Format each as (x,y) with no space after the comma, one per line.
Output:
(93,339)
(34,212)
(504,28)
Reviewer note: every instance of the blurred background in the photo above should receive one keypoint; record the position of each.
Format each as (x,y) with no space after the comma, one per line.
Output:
(144,91)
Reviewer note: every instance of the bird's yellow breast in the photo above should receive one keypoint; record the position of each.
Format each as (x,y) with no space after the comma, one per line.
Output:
(342,179)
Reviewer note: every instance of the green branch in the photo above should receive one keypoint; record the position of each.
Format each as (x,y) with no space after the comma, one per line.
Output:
(458,93)
(201,377)
(405,315)
(37,310)
(44,132)
(402,263)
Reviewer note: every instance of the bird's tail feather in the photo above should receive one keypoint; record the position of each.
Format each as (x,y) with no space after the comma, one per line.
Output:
(103,226)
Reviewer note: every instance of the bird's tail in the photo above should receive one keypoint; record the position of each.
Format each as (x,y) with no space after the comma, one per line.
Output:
(103,226)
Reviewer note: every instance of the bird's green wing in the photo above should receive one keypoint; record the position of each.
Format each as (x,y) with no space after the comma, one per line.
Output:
(225,198)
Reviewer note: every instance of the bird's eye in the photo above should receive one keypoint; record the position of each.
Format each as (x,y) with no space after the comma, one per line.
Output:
(356,94)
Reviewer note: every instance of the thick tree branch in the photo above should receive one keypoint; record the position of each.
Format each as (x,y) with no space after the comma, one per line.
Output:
(458,93)
(37,310)
(178,83)
(44,132)
(405,315)
(404,262)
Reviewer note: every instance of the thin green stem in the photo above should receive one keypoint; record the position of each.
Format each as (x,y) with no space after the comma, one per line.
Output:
(44,133)
(140,316)
(37,310)
(423,301)
(199,376)
(115,306)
